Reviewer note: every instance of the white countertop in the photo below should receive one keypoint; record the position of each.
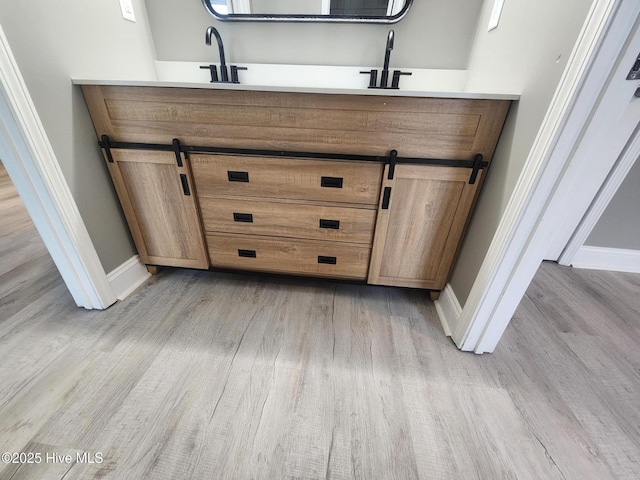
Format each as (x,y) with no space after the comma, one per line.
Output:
(310,79)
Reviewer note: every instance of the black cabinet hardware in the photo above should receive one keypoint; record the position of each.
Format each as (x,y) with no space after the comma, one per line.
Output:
(176,150)
(477,165)
(185,184)
(393,156)
(106,144)
(238,176)
(327,260)
(247,253)
(243,217)
(331,182)
(386,196)
(332,224)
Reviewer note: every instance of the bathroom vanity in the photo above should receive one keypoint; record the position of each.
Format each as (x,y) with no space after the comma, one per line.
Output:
(347,185)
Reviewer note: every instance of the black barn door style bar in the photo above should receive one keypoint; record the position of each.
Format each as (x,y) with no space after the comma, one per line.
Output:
(392,160)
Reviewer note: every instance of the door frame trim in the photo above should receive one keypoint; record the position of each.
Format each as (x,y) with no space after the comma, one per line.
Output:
(523,236)
(35,172)
(605,195)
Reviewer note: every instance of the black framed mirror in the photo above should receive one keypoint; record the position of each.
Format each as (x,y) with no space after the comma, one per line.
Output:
(347,11)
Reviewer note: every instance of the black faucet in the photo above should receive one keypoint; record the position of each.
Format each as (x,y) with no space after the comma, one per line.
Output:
(224,75)
(384,78)
(223,64)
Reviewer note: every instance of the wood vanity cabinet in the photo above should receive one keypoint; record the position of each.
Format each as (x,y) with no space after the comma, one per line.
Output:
(160,207)
(420,224)
(297,183)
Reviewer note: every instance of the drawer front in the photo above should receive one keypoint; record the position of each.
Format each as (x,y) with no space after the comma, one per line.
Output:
(230,215)
(325,180)
(298,257)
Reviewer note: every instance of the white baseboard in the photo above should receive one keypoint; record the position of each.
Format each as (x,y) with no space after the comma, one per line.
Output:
(127,277)
(602,258)
(449,310)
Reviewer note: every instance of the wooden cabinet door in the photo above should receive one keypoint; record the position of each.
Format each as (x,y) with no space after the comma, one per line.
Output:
(159,203)
(420,225)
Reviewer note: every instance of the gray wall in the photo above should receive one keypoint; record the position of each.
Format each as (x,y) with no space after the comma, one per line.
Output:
(435,34)
(619,225)
(54,41)
(527,53)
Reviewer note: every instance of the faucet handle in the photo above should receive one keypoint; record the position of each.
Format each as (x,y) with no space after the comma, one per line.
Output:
(234,73)
(213,69)
(395,81)
(373,77)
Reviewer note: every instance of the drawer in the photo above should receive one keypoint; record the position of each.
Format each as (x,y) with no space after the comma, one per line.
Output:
(342,224)
(280,255)
(326,180)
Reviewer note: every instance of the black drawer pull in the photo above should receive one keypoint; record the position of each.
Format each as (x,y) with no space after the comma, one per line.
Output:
(327,260)
(185,184)
(386,196)
(331,182)
(332,224)
(243,217)
(238,176)
(247,253)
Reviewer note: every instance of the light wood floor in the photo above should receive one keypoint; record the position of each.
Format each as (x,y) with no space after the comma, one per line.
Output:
(222,376)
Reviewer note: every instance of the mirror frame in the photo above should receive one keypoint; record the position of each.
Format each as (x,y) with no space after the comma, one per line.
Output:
(250,17)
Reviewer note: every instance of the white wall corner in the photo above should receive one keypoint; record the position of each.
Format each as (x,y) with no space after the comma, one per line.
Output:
(127,277)
(449,310)
(603,258)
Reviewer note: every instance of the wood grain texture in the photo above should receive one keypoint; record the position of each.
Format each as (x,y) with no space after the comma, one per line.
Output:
(164,222)
(278,178)
(454,129)
(417,236)
(416,250)
(287,220)
(286,255)
(246,376)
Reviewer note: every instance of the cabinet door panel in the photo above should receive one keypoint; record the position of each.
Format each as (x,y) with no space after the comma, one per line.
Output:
(417,236)
(163,219)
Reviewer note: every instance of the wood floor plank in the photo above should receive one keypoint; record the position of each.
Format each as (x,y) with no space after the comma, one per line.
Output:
(494,426)
(42,397)
(375,421)
(435,432)
(577,417)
